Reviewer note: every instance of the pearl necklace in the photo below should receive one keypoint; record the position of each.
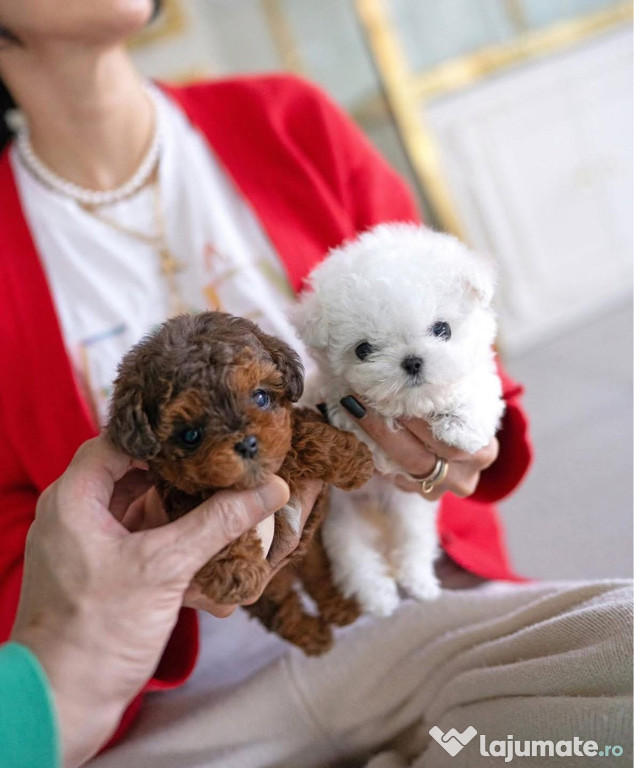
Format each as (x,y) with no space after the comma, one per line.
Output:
(82,194)
(92,200)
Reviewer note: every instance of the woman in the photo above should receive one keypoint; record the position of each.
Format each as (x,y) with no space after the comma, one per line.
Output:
(121,203)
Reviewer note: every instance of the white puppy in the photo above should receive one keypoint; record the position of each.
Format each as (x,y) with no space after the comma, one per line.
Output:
(402,317)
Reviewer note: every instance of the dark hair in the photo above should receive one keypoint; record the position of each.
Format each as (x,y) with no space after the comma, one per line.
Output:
(6,100)
(6,104)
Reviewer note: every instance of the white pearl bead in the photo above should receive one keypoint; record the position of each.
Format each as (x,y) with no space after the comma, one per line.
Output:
(82,194)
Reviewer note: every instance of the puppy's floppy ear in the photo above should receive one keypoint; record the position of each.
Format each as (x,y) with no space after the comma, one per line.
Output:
(307,317)
(128,426)
(286,361)
(479,277)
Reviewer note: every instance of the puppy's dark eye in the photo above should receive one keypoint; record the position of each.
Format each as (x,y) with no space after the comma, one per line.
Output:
(363,350)
(191,436)
(261,398)
(441,330)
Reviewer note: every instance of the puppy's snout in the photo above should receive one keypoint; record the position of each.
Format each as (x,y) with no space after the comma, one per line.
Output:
(412,365)
(247,448)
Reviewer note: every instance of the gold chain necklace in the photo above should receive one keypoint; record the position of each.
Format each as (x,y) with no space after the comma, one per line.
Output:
(170,265)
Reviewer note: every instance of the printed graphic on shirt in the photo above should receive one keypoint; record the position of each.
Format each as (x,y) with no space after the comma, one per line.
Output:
(257,290)
(98,356)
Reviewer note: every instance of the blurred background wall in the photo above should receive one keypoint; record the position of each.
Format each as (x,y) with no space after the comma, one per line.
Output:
(512,121)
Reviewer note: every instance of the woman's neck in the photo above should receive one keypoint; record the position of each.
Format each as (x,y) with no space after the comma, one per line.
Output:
(89,117)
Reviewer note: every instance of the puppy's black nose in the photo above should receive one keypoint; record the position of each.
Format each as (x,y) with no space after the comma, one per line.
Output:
(247,448)
(412,365)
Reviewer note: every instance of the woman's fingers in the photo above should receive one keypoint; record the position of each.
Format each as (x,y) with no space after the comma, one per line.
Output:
(145,512)
(413,446)
(462,476)
(422,432)
(282,549)
(452,482)
(481,460)
(194,598)
(127,492)
(95,469)
(212,525)
(487,456)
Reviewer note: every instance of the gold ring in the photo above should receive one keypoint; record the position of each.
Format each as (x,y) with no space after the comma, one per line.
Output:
(435,477)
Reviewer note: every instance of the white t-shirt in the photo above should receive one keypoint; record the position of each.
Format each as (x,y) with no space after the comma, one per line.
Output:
(108,287)
(109,291)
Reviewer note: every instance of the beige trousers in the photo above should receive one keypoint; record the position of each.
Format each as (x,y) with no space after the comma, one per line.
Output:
(545,662)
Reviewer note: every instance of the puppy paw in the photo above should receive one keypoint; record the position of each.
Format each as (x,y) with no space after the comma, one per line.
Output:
(231,582)
(420,585)
(381,600)
(364,465)
(356,465)
(340,611)
(315,638)
(453,430)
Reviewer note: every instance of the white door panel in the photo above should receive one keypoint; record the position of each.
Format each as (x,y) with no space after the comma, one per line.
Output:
(540,163)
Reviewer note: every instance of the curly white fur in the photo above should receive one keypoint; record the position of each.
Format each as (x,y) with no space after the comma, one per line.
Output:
(390,288)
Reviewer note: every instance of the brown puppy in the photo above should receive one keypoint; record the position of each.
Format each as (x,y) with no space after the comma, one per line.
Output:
(206,400)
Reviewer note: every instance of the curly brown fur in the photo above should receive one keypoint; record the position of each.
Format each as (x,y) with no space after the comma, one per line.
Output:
(207,400)
(236,573)
(322,451)
(280,610)
(318,451)
(316,576)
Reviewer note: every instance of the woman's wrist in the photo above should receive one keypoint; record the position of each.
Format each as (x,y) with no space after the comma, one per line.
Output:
(86,711)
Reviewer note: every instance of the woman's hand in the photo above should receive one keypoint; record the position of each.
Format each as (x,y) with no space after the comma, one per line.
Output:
(98,602)
(141,512)
(415,449)
(278,556)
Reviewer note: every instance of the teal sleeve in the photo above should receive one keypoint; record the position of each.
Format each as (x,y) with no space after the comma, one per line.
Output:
(28,726)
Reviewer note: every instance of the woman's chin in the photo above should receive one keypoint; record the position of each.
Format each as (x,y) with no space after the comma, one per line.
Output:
(128,17)
(112,21)
(136,13)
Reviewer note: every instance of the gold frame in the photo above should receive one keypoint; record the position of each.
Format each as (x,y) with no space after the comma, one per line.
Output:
(464,71)
(406,92)
(171,22)
(283,37)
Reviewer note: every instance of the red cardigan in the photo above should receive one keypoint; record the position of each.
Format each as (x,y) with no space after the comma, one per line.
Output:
(313,180)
